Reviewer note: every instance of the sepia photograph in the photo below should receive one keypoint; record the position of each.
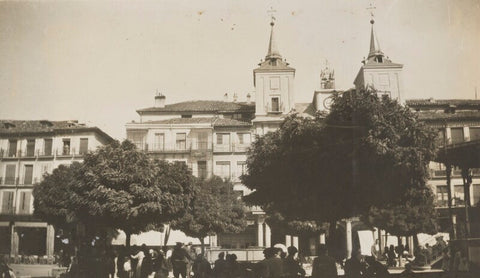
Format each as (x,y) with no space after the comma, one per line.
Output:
(240,139)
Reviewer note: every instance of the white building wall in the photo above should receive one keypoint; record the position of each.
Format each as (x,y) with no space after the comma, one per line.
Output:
(274,84)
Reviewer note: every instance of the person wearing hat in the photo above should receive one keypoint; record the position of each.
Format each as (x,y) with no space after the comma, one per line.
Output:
(180,259)
(291,266)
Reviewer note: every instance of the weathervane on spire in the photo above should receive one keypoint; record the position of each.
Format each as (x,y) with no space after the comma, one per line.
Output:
(272,12)
(371,8)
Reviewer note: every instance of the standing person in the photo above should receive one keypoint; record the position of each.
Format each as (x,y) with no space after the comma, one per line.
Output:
(159,265)
(234,267)
(201,267)
(323,265)
(355,267)
(219,269)
(375,250)
(127,271)
(147,262)
(291,266)
(138,268)
(275,264)
(179,259)
(193,255)
(391,257)
(261,268)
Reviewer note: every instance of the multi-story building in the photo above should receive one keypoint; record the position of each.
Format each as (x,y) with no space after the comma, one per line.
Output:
(458,123)
(28,150)
(212,136)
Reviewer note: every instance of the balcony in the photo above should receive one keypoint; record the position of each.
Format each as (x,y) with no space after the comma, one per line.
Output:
(180,147)
(24,154)
(241,148)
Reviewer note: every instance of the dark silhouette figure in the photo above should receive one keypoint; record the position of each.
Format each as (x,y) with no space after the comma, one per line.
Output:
(323,265)
(220,267)
(355,267)
(201,267)
(291,266)
(180,259)
(375,268)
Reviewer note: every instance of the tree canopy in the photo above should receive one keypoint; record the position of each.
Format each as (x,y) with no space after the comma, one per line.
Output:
(216,208)
(52,200)
(368,152)
(116,187)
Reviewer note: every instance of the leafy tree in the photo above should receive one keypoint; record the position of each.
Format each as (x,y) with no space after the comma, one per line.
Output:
(216,208)
(295,227)
(116,187)
(368,152)
(52,198)
(416,215)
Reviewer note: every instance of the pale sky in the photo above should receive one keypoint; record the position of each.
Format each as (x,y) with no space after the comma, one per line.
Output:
(98,62)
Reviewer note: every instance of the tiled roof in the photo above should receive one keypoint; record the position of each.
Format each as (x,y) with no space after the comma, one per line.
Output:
(183,121)
(21,127)
(440,103)
(219,122)
(437,116)
(280,66)
(213,121)
(305,109)
(203,106)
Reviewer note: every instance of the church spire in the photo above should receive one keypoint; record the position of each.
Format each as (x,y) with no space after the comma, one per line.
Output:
(375,53)
(273,52)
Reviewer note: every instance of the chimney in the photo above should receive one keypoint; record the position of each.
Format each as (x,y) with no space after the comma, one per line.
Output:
(225,97)
(160,100)
(249,98)
(235,97)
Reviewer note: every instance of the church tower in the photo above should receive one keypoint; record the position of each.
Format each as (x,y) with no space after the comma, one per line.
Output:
(323,97)
(379,72)
(273,81)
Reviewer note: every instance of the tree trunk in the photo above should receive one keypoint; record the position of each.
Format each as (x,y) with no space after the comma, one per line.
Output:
(330,244)
(167,235)
(202,244)
(127,239)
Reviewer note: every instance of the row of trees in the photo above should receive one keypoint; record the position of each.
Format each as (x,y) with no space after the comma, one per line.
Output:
(120,187)
(367,158)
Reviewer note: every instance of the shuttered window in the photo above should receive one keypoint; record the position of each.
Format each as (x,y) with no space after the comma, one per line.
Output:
(24,207)
(10,174)
(28,174)
(7,202)
(47,147)
(83,145)
(31,147)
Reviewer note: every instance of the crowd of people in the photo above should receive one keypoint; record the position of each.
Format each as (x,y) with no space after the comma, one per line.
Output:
(186,261)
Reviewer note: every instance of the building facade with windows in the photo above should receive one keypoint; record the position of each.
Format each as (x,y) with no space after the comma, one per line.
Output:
(458,123)
(28,150)
(212,137)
